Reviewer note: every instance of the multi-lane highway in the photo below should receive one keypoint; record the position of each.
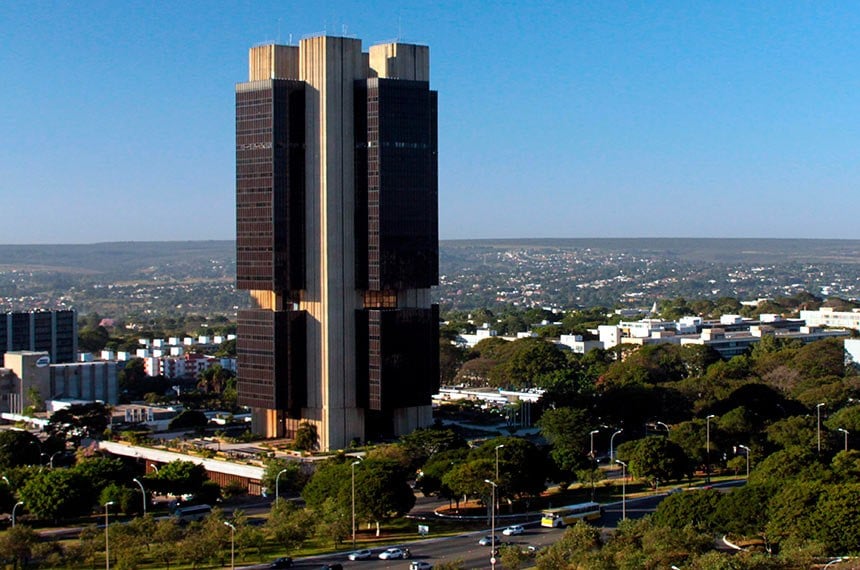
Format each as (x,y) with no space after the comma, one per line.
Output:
(466,549)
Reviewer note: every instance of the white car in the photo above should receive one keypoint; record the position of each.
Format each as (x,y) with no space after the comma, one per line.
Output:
(392,554)
(360,555)
(488,540)
(513,530)
(420,565)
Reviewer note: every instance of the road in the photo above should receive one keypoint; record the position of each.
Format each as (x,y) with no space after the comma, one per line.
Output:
(465,547)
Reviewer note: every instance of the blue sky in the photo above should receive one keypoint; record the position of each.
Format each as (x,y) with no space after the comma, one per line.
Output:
(557,119)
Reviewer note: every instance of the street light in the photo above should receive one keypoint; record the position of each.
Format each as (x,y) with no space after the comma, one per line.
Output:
(623,489)
(142,494)
(498,447)
(818,429)
(18,504)
(591,434)
(845,431)
(107,539)
(664,425)
(612,445)
(493,528)
(53,455)
(7,481)
(354,463)
(708,445)
(749,451)
(277,484)
(232,545)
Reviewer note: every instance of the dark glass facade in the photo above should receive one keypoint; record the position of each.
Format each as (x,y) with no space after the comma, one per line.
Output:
(397,217)
(271,353)
(54,332)
(397,366)
(270,156)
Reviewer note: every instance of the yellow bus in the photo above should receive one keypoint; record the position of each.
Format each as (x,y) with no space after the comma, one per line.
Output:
(563,516)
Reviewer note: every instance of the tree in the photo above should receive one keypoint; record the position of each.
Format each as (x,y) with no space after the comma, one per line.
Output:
(103,471)
(132,375)
(566,429)
(790,509)
(451,357)
(836,519)
(577,541)
(332,479)
(696,508)
(467,479)
(655,459)
(291,480)
(18,448)
(740,512)
(522,466)
(214,379)
(795,431)
(93,339)
(57,493)
(525,360)
(16,545)
(166,536)
(334,520)
(177,478)
(307,438)
(290,526)
(188,419)
(382,491)
(423,443)
(79,421)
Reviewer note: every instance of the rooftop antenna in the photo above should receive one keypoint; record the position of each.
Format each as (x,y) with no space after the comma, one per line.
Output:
(279,30)
(291,39)
(399,29)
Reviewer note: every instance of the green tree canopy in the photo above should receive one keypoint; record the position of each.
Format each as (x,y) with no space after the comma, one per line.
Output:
(655,459)
(58,493)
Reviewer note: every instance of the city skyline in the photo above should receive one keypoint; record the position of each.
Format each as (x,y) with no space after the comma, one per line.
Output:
(556,120)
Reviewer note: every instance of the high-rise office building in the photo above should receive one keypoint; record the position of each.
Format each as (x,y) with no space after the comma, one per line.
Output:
(337,239)
(55,332)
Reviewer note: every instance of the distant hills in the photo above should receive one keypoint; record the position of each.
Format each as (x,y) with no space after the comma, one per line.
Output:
(549,272)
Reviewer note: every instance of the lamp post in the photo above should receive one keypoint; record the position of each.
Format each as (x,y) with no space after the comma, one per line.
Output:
(232,544)
(53,455)
(818,424)
(354,463)
(708,447)
(623,489)
(277,484)
(107,536)
(591,434)
(492,528)
(749,451)
(845,431)
(18,504)
(142,494)
(498,447)
(664,426)
(612,445)
(7,481)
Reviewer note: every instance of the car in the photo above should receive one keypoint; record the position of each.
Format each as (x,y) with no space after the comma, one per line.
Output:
(392,554)
(363,554)
(514,530)
(488,540)
(283,562)
(420,565)
(332,566)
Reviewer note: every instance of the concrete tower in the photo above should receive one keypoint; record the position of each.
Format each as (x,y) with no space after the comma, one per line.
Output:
(337,239)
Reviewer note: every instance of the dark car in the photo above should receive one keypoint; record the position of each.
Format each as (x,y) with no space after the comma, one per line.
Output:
(283,562)
(332,566)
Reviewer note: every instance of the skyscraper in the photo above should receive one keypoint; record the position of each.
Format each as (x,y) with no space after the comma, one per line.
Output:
(337,239)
